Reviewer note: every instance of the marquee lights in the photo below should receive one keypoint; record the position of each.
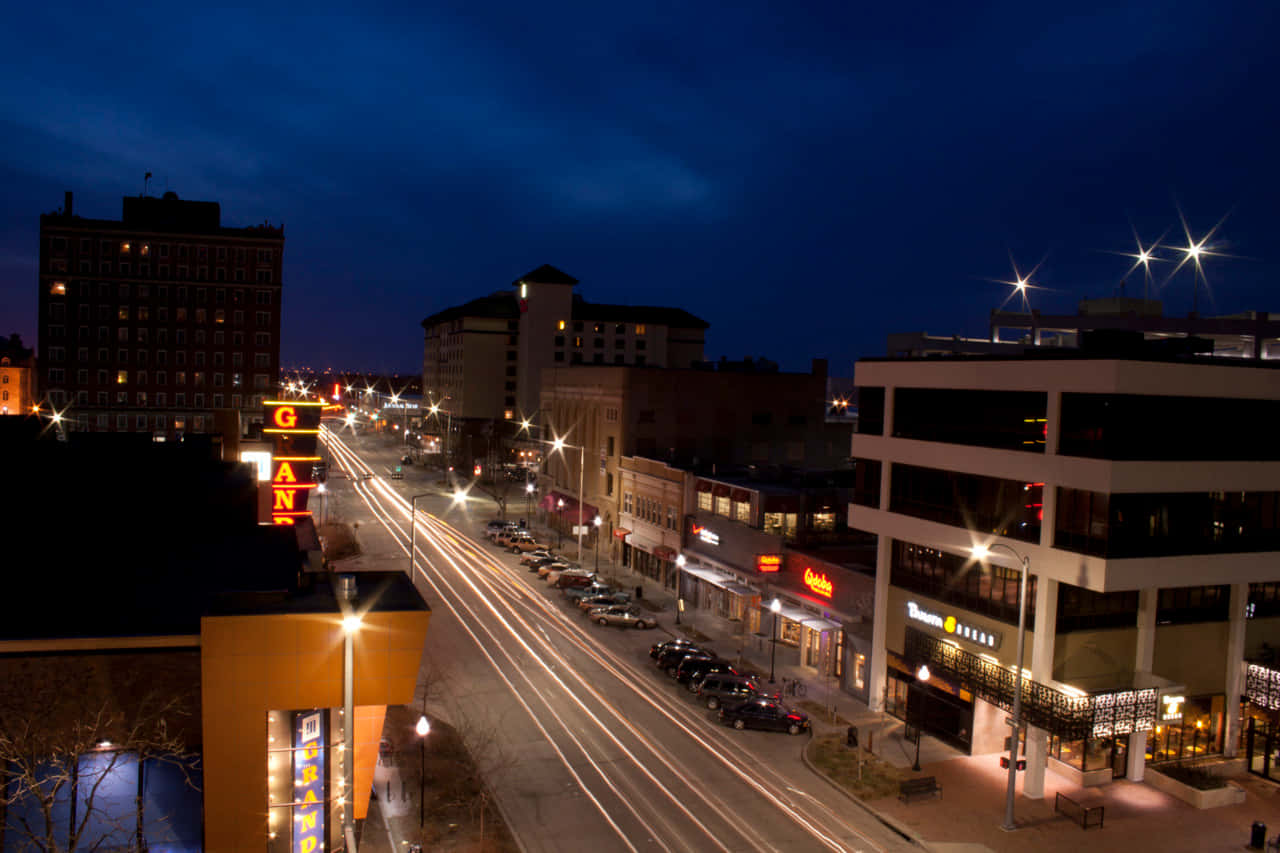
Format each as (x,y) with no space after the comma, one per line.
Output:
(295,426)
(818,583)
(978,636)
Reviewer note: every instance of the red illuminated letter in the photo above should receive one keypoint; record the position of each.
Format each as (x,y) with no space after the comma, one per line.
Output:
(286,417)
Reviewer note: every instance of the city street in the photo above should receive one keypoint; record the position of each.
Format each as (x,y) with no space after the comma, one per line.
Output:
(590,746)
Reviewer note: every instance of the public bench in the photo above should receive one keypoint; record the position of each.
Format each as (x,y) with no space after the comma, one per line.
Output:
(912,789)
(1086,816)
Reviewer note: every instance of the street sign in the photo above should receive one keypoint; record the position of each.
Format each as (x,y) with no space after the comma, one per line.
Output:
(583,529)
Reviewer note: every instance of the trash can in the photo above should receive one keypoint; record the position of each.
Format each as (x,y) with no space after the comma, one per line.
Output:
(1258,837)
(851,737)
(639,593)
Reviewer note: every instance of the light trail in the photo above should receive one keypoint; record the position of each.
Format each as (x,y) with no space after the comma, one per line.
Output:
(494,584)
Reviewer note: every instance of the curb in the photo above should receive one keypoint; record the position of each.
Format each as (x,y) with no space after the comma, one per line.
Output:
(906,833)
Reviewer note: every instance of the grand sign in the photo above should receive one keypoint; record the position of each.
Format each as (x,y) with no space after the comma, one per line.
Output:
(818,582)
(295,427)
(308,781)
(978,636)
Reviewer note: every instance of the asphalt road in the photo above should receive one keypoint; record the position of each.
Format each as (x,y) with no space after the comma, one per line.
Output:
(585,744)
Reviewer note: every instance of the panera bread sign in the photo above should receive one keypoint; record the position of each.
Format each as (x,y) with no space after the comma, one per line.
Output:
(950,625)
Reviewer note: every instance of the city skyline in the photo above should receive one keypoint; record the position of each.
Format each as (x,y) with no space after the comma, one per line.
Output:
(847,175)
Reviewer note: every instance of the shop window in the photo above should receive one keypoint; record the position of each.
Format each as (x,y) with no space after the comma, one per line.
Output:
(704,501)
(780,524)
(825,521)
(722,506)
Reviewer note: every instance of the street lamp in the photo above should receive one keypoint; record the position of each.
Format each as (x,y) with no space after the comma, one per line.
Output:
(528,490)
(680,561)
(922,677)
(435,410)
(597,522)
(350,625)
(559,444)
(560,526)
(981,552)
(776,607)
(413,530)
(422,728)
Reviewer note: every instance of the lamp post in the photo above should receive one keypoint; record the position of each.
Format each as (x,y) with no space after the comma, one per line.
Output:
(597,521)
(776,607)
(980,552)
(528,490)
(413,530)
(922,677)
(680,561)
(422,728)
(560,526)
(436,410)
(350,625)
(559,444)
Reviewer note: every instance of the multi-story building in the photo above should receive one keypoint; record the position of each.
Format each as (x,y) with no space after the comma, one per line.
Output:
(1139,488)
(17,377)
(152,322)
(486,357)
(716,414)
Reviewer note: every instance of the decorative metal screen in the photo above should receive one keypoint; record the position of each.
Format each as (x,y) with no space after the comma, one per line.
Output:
(1063,714)
(1262,686)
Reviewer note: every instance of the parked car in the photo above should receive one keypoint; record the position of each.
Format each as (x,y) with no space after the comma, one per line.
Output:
(721,689)
(570,577)
(522,542)
(589,602)
(548,563)
(493,528)
(767,714)
(531,557)
(658,648)
(596,588)
(671,659)
(558,565)
(693,669)
(622,615)
(504,538)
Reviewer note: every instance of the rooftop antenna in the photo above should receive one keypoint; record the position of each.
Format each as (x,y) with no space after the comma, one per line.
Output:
(146,183)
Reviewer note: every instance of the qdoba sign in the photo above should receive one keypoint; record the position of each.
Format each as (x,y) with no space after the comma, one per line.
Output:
(295,427)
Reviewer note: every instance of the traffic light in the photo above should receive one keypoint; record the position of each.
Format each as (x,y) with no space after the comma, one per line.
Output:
(476,472)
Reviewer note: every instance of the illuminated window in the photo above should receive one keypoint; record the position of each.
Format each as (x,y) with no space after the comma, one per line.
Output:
(219,316)
(122,313)
(58,288)
(639,328)
(122,376)
(124,248)
(507,414)
(145,250)
(561,326)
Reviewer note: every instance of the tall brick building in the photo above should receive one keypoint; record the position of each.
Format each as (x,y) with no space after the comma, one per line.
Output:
(155,321)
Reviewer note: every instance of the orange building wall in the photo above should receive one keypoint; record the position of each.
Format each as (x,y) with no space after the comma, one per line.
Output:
(256,663)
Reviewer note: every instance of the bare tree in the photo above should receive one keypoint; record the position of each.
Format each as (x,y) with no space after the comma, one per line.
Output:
(68,727)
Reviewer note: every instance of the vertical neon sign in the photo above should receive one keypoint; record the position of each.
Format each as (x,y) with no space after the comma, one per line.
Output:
(295,426)
(308,782)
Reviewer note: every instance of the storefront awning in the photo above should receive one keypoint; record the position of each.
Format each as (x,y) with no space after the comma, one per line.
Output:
(720,490)
(740,496)
(742,589)
(551,503)
(704,486)
(664,553)
(817,624)
(711,576)
(621,532)
(795,614)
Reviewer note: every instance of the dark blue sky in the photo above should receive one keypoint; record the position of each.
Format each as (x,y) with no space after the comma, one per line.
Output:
(808,178)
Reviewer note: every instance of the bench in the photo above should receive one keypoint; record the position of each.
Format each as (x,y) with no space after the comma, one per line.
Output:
(1086,816)
(911,789)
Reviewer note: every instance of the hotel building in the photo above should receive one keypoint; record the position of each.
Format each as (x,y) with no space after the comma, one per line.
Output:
(155,321)
(1142,488)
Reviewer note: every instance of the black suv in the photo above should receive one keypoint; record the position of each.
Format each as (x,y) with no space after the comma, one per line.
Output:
(765,714)
(692,670)
(721,689)
(658,648)
(671,659)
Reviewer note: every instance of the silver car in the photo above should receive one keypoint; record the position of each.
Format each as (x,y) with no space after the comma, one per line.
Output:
(622,615)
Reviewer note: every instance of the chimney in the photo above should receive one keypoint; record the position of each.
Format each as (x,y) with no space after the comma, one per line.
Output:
(66,205)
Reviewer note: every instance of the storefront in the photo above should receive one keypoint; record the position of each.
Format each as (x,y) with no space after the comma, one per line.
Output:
(646,557)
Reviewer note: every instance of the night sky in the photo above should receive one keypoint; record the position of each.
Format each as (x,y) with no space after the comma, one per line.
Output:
(806,177)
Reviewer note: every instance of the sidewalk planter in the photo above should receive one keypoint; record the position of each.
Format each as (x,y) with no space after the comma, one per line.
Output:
(1229,794)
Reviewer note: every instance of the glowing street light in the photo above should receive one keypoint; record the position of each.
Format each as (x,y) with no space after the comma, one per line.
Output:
(980,553)
(776,607)
(680,561)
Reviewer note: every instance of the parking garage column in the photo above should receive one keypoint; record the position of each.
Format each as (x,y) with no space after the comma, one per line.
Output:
(1041,671)
(877,671)
(1142,658)
(1235,667)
